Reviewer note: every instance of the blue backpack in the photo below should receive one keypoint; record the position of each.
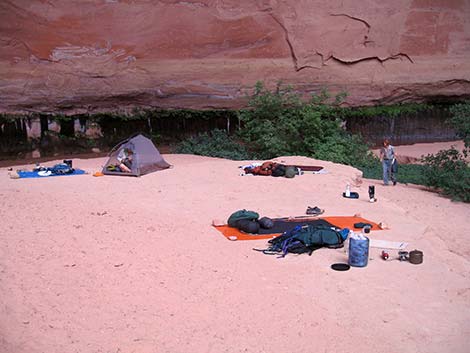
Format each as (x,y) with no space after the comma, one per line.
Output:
(61,168)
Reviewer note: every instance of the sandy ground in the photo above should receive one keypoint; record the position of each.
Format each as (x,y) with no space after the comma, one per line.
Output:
(122,264)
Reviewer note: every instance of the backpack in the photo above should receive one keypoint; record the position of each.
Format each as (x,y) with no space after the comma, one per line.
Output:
(61,168)
(305,239)
(241,214)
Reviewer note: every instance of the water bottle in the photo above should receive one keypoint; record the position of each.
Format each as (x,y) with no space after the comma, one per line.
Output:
(346,242)
(348,190)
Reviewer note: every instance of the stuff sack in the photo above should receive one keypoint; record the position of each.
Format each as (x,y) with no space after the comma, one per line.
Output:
(394,167)
(266,223)
(305,239)
(247,226)
(242,215)
(279,170)
(290,172)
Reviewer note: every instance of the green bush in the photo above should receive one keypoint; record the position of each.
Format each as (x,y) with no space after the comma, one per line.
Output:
(461,122)
(278,124)
(216,143)
(448,172)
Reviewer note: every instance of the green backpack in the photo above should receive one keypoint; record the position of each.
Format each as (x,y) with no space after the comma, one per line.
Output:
(306,239)
(242,214)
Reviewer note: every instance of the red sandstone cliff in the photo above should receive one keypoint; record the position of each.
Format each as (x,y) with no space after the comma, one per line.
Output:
(88,55)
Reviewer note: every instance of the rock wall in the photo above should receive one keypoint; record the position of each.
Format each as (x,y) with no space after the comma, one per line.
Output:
(80,56)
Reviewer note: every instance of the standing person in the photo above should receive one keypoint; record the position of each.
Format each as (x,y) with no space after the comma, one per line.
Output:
(387,155)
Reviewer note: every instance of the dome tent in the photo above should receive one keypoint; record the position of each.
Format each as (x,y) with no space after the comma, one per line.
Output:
(146,157)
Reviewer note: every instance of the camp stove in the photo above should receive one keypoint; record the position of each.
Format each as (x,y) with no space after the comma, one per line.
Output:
(403,255)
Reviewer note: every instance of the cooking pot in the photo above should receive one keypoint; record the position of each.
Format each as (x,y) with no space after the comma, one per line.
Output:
(415,257)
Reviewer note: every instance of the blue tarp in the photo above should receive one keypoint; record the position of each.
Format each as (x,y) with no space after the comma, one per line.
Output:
(28,174)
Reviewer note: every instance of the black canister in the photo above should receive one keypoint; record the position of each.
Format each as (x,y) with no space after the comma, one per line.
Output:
(415,257)
(371,192)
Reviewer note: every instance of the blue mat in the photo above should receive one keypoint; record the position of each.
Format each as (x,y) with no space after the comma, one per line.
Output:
(26,174)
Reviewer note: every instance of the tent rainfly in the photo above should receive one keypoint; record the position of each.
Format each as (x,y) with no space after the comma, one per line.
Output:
(134,156)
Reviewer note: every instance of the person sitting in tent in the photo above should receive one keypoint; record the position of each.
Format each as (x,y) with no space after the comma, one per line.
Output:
(124,158)
(135,156)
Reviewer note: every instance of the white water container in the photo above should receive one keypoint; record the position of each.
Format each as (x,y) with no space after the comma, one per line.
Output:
(347,193)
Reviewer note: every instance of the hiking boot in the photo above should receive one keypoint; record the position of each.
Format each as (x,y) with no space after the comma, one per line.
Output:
(314,211)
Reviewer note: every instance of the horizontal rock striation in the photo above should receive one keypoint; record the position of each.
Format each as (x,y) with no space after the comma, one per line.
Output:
(82,56)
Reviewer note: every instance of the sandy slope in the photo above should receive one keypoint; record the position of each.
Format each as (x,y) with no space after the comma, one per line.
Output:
(118,264)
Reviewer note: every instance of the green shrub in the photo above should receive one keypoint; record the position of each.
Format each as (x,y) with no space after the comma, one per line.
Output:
(216,143)
(278,124)
(461,122)
(448,172)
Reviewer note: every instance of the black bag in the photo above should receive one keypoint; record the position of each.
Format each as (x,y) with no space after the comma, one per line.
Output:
(247,226)
(266,223)
(279,170)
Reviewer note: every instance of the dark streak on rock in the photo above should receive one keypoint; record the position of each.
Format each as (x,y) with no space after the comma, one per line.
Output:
(291,47)
(353,18)
(369,58)
(307,67)
(457,81)
(286,36)
(366,36)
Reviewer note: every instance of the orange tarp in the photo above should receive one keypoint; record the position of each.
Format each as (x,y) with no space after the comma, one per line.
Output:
(340,222)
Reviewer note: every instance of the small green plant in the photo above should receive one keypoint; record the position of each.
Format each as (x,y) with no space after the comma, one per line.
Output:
(216,143)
